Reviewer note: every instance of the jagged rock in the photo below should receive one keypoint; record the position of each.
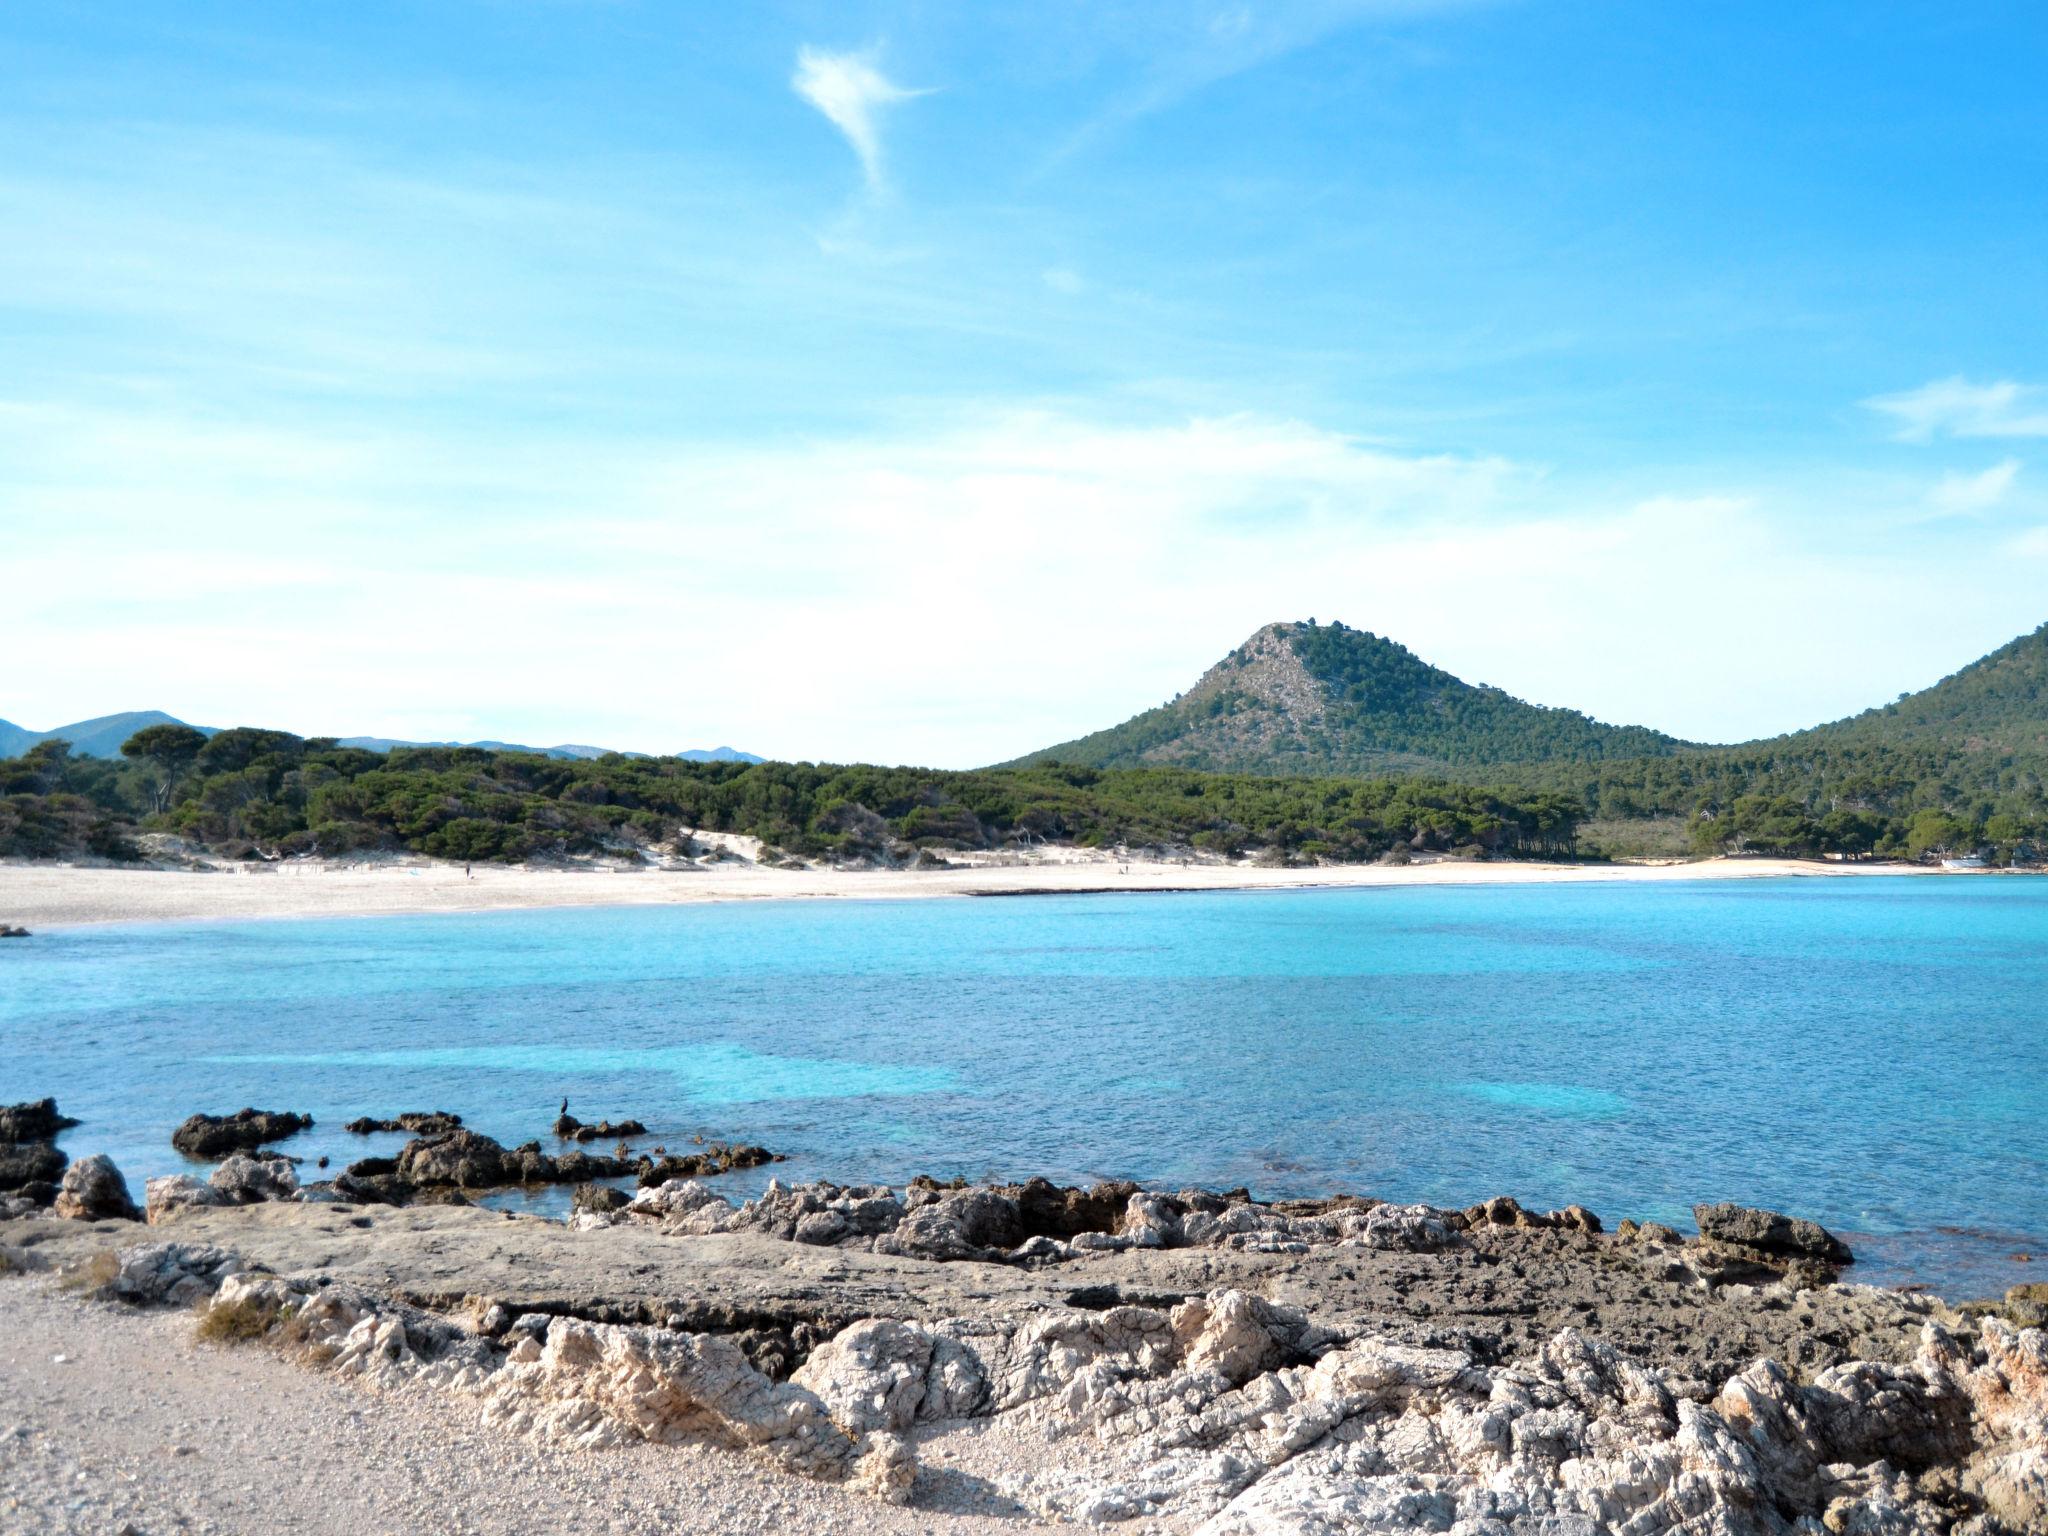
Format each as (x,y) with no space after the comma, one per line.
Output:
(1408,1228)
(163,1198)
(679,1200)
(1768,1232)
(432,1122)
(1239,1336)
(171,1274)
(718,1157)
(2026,1306)
(597,1384)
(870,1376)
(1048,1210)
(93,1190)
(35,1120)
(1575,1218)
(30,1162)
(373,1181)
(597,1199)
(245,1180)
(568,1128)
(461,1158)
(211,1136)
(964,1224)
(820,1214)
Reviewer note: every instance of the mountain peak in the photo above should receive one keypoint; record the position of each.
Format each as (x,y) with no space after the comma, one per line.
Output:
(1327,698)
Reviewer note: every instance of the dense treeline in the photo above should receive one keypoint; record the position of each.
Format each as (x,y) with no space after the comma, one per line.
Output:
(251,791)
(1807,797)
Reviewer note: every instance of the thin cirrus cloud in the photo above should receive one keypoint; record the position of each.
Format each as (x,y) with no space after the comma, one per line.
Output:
(1959,495)
(1956,407)
(852,92)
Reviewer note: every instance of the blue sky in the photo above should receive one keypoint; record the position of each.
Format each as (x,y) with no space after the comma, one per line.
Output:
(930,383)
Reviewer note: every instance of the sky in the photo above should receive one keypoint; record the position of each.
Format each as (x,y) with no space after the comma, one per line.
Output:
(914,383)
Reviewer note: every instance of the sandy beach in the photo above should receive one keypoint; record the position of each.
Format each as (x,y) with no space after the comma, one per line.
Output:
(45,895)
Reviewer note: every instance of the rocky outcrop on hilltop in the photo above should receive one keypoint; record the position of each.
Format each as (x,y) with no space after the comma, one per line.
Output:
(211,1136)
(1233,1414)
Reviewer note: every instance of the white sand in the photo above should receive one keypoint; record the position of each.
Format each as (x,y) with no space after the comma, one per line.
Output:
(44,895)
(116,1421)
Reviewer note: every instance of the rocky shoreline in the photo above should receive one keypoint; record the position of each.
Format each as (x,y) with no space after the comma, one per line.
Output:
(1190,1358)
(1194,1360)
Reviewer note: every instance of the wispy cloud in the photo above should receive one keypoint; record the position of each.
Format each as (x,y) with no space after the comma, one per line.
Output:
(1959,495)
(851,90)
(1193,48)
(1569,592)
(1955,407)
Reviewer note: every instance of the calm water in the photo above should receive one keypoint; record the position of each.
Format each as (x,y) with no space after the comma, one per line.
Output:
(1870,1052)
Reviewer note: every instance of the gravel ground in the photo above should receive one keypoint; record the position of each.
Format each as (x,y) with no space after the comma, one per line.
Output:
(114,1421)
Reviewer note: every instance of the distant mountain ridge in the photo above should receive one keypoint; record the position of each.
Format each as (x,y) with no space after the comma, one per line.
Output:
(102,737)
(1329,699)
(574,751)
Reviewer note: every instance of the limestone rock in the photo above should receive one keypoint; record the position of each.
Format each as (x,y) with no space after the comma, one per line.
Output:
(163,1198)
(171,1274)
(962,1224)
(870,1376)
(596,1384)
(461,1158)
(245,1180)
(34,1120)
(1238,1336)
(211,1136)
(1769,1232)
(93,1190)
(431,1122)
(29,1162)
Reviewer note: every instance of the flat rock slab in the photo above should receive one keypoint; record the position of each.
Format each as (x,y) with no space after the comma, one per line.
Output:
(1499,1294)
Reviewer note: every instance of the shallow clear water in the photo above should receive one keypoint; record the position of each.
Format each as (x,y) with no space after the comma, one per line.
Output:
(1871,1052)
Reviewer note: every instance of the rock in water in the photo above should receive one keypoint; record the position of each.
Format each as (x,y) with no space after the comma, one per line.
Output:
(1768,1232)
(93,1190)
(461,1158)
(36,1121)
(420,1122)
(243,1131)
(33,1162)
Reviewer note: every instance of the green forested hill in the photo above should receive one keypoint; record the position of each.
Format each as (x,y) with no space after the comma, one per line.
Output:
(1310,698)
(1996,704)
(1957,766)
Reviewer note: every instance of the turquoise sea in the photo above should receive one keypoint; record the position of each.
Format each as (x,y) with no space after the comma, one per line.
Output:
(1870,1052)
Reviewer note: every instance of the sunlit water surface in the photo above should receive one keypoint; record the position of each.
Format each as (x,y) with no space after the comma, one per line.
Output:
(1869,1052)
